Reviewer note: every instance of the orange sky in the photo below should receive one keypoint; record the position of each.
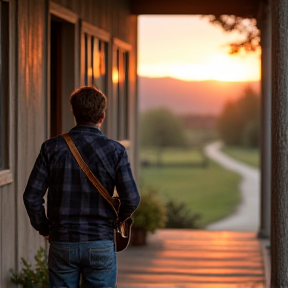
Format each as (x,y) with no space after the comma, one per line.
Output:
(190,48)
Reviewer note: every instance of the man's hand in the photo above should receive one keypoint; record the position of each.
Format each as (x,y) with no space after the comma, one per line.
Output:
(47,237)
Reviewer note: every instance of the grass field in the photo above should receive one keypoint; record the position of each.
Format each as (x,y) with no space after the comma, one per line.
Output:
(173,156)
(211,192)
(250,156)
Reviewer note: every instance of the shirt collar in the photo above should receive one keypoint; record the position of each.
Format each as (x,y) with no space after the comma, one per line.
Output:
(86,128)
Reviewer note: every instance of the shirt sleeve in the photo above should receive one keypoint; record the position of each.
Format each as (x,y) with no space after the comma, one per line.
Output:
(126,188)
(34,193)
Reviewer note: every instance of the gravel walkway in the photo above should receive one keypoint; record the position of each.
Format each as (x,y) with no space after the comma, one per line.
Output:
(247,215)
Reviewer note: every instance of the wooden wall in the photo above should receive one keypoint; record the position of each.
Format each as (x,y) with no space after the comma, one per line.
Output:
(28,105)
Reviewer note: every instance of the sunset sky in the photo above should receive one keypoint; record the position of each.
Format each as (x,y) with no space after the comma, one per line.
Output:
(190,48)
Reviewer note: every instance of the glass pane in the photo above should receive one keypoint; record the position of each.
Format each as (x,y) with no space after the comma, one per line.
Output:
(121,96)
(4,84)
(96,64)
(85,59)
(126,95)
(89,60)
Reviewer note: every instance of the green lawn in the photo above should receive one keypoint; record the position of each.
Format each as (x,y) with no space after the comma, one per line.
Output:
(250,156)
(212,191)
(173,156)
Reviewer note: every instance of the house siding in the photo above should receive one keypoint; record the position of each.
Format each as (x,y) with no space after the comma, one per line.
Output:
(29,114)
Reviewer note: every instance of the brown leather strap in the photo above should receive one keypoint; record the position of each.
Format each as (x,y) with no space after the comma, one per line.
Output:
(85,168)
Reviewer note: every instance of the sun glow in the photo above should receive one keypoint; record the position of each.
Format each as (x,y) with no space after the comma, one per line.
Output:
(219,67)
(191,49)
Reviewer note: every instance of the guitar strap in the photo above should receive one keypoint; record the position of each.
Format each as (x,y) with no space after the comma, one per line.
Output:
(91,176)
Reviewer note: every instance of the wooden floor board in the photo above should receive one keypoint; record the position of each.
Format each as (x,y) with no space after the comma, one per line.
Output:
(193,259)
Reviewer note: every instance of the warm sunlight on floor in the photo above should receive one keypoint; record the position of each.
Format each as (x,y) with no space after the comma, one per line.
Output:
(187,258)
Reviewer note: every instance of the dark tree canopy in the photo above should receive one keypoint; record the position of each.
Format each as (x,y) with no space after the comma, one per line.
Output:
(161,128)
(239,122)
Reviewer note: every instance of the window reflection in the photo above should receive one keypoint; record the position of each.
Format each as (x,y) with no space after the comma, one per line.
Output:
(4,83)
(95,66)
(120,90)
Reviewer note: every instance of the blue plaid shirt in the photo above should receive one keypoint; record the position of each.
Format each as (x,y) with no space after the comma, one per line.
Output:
(76,212)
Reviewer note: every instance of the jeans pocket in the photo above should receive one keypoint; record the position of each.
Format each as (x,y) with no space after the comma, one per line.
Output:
(58,255)
(102,258)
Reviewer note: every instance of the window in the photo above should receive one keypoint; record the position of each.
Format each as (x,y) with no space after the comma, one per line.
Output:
(4,85)
(120,90)
(94,60)
(62,73)
(95,54)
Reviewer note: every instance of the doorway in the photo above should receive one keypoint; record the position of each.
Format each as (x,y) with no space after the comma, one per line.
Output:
(62,74)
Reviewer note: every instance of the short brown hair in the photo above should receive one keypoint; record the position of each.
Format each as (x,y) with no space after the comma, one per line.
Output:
(88,104)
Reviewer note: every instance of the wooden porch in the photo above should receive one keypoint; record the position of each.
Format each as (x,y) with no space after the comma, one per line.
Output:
(198,259)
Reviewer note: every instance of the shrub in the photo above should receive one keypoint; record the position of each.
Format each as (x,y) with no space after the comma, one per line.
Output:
(32,278)
(151,213)
(180,216)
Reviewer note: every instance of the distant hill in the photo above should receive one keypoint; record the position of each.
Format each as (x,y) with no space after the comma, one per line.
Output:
(182,97)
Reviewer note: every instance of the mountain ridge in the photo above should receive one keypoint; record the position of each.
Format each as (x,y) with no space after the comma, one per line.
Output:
(189,97)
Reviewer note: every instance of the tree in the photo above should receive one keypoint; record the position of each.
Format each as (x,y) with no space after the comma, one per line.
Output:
(239,122)
(160,128)
(245,26)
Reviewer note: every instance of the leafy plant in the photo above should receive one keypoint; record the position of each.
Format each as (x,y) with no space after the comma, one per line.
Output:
(151,213)
(180,216)
(31,278)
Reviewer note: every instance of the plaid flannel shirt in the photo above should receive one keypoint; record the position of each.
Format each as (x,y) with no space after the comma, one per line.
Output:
(76,212)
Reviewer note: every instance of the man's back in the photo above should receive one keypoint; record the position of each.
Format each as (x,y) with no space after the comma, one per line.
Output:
(80,223)
(76,210)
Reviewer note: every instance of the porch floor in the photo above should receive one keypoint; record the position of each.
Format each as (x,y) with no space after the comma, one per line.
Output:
(188,258)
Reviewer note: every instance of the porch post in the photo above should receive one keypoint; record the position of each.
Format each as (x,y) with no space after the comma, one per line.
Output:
(266,107)
(279,208)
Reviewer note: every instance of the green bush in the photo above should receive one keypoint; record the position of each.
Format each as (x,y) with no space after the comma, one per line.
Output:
(32,278)
(151,213)
(180,216)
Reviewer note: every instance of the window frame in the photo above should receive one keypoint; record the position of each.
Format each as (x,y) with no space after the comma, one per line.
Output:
(6,173)
(92,32)
(121,48)
(66,15)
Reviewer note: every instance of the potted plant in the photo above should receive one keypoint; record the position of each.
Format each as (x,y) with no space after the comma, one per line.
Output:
(149,216)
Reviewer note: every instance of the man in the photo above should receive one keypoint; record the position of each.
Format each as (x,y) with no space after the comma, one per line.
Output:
(80,222)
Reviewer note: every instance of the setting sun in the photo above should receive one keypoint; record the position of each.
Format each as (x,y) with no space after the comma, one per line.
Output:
(191,49)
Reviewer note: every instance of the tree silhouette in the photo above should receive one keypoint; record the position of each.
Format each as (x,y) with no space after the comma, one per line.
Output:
(238,124)
(245,26)
(160,128)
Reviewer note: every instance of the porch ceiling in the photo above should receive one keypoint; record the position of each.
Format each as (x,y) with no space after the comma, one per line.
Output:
(216,7)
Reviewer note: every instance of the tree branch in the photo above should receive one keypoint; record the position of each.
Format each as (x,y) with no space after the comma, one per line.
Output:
(245,26)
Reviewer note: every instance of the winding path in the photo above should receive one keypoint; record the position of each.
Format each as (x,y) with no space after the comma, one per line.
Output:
(247,215)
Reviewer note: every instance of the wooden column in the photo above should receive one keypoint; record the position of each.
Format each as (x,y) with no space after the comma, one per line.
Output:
(266,107)
(279,208)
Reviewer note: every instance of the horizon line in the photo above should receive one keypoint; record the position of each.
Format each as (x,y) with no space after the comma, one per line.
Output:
(197,80)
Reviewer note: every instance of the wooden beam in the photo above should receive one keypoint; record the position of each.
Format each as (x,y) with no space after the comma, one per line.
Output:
(279,207)
(63,13)
(204,7)
(121,44)
(95,31)
(265,26)
(5,177)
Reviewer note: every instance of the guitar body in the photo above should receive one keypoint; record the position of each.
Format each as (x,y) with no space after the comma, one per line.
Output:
(123,235)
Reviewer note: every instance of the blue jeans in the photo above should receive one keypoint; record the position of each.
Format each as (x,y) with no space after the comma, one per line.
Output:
(93,262)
